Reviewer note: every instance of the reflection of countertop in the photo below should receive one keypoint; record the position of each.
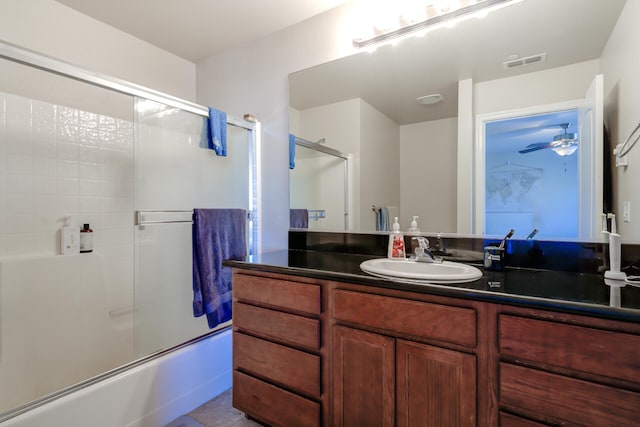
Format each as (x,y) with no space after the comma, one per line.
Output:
(569,292)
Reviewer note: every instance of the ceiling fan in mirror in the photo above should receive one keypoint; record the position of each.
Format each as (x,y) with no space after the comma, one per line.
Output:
(564,144)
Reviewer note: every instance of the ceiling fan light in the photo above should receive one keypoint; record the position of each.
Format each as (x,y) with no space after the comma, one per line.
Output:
(565,136)
(565,149)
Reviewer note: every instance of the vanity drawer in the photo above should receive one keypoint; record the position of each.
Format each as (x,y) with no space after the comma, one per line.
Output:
(435,321)
(584,349)
(284,294)
(566,400)
(273,405)
(508,420)
(292,368)
(276,325)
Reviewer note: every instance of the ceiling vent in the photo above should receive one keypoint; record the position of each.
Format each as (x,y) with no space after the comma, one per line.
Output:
(521,62)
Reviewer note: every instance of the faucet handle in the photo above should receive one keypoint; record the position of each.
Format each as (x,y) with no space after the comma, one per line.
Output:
(423,242)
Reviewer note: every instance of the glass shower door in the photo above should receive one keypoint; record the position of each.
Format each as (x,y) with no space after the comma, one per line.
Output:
(174,175)
(319,184)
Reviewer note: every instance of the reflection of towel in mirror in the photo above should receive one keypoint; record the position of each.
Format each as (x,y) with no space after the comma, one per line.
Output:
(218,234)
(382,219)
(292,151)
(298,218)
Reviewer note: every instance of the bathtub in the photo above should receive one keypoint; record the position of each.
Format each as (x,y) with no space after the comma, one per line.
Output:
(151,394)
(59,327)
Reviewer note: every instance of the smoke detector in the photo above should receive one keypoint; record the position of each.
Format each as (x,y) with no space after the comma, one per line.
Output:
(430,99)
(514,61)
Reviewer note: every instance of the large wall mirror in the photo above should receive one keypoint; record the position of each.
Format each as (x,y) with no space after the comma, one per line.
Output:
(511,84)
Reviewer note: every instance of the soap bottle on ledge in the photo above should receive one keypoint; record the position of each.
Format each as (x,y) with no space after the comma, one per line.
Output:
(396,242)
(86,239)
(69,238)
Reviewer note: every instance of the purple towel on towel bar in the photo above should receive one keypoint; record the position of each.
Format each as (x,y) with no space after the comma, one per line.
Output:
(298,218)
(218,235)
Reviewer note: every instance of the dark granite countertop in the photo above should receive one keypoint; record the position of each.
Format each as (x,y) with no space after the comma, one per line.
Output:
(571,292)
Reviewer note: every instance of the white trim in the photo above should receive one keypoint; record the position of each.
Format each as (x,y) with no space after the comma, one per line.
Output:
(35,59)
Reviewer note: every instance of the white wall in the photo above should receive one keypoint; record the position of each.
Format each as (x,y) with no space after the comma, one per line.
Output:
(428,154)
(379,165)
(620,64)
(543,87)
(344,136)
(51,28)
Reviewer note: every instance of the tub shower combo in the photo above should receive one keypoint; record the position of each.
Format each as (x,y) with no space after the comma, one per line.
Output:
(130,162)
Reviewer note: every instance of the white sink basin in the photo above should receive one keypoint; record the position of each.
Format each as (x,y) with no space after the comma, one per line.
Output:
(421,272)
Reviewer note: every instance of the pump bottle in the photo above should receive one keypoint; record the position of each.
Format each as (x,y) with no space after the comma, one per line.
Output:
(69,238)
(396,242)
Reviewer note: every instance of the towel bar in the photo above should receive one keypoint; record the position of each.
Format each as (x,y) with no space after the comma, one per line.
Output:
(163,217)
(317,214)
(174,216)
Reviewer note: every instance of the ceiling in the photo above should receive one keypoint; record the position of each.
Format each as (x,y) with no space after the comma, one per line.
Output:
(198,29)
(391,78)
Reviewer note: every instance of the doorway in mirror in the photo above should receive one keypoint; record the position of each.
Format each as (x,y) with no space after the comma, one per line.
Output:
(532,175)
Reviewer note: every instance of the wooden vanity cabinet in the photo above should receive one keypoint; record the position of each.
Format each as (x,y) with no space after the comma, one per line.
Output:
(390,365)
(560,369)
(309,352)
(278,349)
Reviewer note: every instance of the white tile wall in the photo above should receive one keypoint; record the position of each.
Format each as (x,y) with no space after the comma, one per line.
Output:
(57,161)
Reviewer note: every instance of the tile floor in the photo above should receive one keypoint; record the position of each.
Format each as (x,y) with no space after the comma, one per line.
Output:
(217,412)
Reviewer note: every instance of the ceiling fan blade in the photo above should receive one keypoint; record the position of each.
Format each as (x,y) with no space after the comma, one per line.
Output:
(535,147)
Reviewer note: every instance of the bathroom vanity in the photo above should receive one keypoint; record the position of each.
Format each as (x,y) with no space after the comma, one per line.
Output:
(317,342)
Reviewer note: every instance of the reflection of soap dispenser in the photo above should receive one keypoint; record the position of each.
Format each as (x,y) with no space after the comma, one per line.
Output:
(413,231)
(69,238)
(396,242)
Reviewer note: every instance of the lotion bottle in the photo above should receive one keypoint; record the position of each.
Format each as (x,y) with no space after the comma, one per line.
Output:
(396,242)
(69,238)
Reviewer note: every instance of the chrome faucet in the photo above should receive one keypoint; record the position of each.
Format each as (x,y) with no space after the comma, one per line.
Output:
(440,247)
(422,252)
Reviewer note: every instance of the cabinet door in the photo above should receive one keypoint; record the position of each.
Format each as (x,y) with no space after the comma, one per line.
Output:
(363,378)
(435,387)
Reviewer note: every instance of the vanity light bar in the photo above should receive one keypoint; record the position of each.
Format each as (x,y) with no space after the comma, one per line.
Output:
(481,5)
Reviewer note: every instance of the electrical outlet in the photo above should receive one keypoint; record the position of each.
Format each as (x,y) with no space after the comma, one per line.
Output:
(626,211)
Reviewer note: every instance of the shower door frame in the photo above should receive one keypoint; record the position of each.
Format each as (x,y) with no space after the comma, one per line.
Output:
(347,182)
(20,55)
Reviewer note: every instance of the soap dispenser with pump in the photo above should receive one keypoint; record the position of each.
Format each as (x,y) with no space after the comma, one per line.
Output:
(69,238)
(396,242)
